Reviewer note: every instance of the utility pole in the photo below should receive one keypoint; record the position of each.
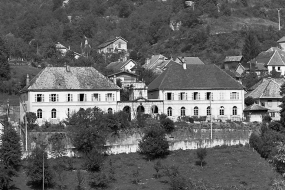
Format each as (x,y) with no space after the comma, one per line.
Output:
(279,25)
(211,117)
(43,169)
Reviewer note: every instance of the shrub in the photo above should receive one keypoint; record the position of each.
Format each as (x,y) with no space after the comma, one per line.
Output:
(201,155)
(266,119)
(167,124)
(94,161)
(99,180)
(153,144)
(191,120)
(255,142)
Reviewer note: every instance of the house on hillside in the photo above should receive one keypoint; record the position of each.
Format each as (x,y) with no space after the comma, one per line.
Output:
(255,112)
(281,43)
(130,81)
(157,63)
(56,92)
(122,65)
(189,60)
(198,90)
(114,45)
(63,50)
(267,94)
(232,62)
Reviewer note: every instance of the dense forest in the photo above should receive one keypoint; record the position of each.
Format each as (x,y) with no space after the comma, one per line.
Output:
(209,29)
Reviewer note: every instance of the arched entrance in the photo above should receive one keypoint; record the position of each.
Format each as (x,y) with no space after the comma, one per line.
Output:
(154,109)
(140,109)
(127,109)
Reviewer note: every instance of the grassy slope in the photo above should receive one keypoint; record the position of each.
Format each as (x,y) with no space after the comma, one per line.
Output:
(230,24)
(240,167)
(17,73)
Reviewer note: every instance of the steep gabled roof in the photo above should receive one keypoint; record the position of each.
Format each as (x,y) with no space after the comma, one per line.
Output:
(154,61)
(281,40)
(233,58)
(190,60)
(267,88)
(118,65)
(194,77)
(255,107)
(108,42)
(277,59)
(123,72)
(78,78)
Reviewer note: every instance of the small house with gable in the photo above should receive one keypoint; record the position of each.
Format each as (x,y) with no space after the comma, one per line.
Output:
(231,62)
(117,44)
(122,65)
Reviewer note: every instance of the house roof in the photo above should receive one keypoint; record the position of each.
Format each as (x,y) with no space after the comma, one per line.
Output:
(123,72)
(78,78)
(154,61)
(118,65)
(267,88)
(277,59)
(281,40)
(272,57)
(232,58)
(110,41)
(194,77)
(189,60)
(255,107)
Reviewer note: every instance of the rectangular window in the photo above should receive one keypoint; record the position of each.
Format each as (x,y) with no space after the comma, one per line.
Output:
(278,68)
(96,97)
(110,97)
(221,95)
(53,97)
(169,96)
(69,98)
(119,45)
(209,96)
(82,97)
(272,114)
(269,103)
(196,96)
(39,98)
(182,96)
(234,96)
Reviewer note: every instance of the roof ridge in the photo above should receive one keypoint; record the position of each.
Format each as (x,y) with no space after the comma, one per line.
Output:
(270,58)
(280,57)
(265,88)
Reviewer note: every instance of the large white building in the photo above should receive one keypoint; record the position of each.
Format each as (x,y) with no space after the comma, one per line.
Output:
(57,92)
(198,90)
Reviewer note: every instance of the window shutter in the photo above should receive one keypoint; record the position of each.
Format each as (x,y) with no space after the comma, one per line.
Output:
(113,95)
(237,95)
(192,95)
(179,96)
(35,97)
(50,97)
(165,96)
(199,98)
(66,97)
(85,97)
(206,96)
(212,96)
(99,97)
(106,96)
(186,96)
(57,97)
(172,96)
(43,97)
(71,97)
(78,97)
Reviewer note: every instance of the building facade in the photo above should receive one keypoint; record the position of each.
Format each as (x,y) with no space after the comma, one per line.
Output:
(113,45)
(57,92)
(200,90)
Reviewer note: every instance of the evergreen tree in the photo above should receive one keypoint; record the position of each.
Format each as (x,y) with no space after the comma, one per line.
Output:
(282,106)
(10,156)
(4,65)
(251,47)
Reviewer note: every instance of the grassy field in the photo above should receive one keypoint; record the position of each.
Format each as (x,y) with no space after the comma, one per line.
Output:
(229,168)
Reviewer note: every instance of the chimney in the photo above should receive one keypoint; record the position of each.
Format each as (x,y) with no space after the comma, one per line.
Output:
(67,68)
(184,65)
(27,80)
(115,79)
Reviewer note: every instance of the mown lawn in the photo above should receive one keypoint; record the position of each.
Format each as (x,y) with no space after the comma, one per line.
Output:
(230,167)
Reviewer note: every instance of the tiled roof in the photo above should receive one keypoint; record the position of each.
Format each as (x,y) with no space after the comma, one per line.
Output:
(155,61)
(118,65)
(232,73)
(123,72)
(108,42)
(271,57)
(78,78)
(255,107)
(281,40)
(277,59)
(233,58)
(194,77)
(190,60)
(267,88)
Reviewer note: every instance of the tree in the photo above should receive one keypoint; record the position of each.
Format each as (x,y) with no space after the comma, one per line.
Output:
(251,47)
(10,156)
(154,144)
(57,145)
(4,65)
(201,155)
(167,124)
(250,79)
(249,101)
(35,168)
(282,111)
